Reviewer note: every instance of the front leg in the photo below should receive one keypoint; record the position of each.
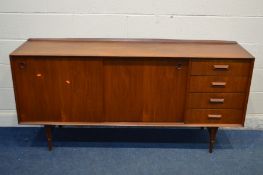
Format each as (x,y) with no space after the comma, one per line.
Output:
(212,137)
(48,131)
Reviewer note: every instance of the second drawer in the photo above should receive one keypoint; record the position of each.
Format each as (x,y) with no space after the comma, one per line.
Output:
(218,84)
(216,100)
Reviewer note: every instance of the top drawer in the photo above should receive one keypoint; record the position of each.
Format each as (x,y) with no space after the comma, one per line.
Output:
(225,67)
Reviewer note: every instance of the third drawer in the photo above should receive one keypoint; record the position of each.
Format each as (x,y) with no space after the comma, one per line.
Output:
(216,100)
(214,116)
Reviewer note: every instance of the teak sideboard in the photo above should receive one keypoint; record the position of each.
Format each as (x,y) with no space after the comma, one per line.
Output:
(136,82)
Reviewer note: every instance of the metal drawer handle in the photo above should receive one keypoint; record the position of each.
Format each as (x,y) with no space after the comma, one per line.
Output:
(39,75)
(214,116)
(217,100)
(223,84)
(221,67)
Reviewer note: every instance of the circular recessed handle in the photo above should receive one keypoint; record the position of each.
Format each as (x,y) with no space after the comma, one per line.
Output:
(179,66)
(67,82)
(22,65)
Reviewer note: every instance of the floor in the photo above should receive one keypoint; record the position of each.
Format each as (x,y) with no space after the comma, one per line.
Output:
(127,151)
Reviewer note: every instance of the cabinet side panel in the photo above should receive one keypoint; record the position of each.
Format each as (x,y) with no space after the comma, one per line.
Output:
(248,90)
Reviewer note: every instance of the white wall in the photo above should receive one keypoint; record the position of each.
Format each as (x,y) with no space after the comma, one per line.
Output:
(240,20)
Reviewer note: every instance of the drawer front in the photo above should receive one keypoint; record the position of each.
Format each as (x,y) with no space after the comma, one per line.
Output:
(214,116)
(218,84)
(237,68)
(216,100)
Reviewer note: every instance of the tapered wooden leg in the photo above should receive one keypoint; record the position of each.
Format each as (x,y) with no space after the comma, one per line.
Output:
(48,131)
(212,137)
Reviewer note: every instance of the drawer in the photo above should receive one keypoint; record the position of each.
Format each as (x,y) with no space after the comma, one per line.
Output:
(214,116)
(216,100)
(218,84)
(238,68)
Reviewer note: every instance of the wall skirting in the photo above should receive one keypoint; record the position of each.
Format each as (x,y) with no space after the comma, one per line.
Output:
(254,121)
(9,119)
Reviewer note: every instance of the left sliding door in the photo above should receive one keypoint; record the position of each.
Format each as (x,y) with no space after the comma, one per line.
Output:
(36,90)
(58,89)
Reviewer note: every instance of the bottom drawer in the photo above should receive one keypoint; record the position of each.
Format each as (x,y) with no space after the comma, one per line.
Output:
(214,116)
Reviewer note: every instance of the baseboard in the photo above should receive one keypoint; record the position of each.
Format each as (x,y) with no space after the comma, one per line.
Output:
(254,121)
(8,118)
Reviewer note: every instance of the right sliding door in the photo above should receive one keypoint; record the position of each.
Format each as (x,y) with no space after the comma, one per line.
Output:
(140,90)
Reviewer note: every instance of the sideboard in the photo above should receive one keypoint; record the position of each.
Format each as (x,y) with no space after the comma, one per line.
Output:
(131,82)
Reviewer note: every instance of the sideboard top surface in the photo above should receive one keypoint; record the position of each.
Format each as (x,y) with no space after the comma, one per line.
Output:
(132,48)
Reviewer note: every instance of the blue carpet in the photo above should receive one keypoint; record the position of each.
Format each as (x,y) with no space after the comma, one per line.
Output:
(128,151)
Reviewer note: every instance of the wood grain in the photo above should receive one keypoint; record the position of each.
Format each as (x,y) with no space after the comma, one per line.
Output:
(38,92)
(59,90)
(137,87)
(123,90)
(81,89)
(132,124)
(164,90)
(132,48)
(203,100)
(113,82)
(128,81)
